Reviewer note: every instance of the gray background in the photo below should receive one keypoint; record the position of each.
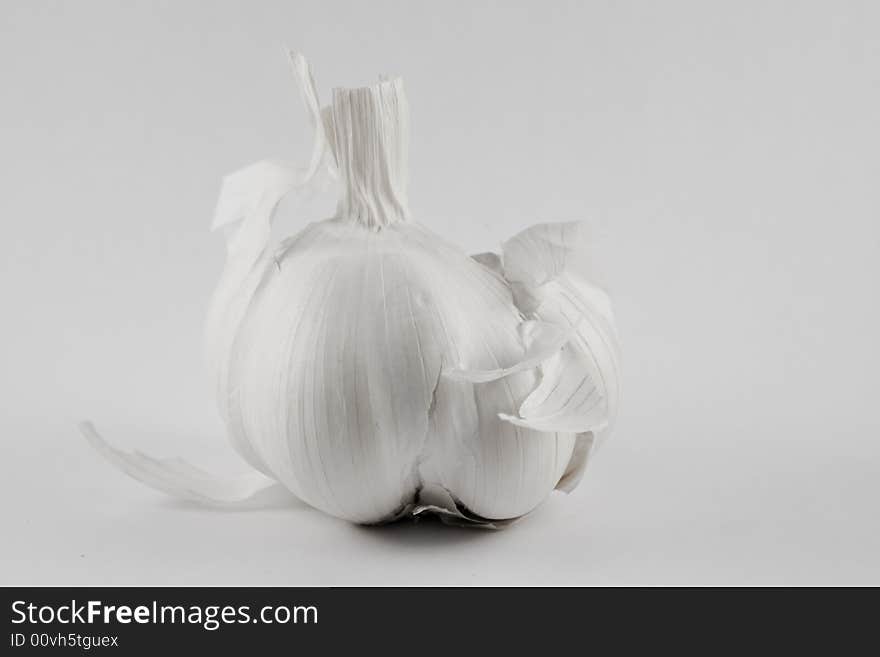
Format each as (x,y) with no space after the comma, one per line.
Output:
(725,154)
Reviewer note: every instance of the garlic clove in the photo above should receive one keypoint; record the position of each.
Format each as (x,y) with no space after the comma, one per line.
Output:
(494,470)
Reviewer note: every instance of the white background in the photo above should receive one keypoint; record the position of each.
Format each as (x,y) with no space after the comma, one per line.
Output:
(727,156)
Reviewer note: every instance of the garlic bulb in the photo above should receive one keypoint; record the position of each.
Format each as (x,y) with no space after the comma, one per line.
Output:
(372,369)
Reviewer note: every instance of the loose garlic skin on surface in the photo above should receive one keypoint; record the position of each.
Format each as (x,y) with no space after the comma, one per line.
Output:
(375,370)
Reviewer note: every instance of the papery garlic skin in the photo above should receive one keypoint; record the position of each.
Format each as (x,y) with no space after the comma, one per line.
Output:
(375,370)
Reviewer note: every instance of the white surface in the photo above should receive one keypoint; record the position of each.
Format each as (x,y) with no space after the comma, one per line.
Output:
(727,156)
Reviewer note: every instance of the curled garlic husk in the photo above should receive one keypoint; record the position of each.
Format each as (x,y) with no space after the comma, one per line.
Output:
(373,370)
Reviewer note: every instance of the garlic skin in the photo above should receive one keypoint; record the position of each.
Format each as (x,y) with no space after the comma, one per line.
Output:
(374,370)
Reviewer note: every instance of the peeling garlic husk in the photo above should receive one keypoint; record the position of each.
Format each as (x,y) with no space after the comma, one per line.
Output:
(373,370)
